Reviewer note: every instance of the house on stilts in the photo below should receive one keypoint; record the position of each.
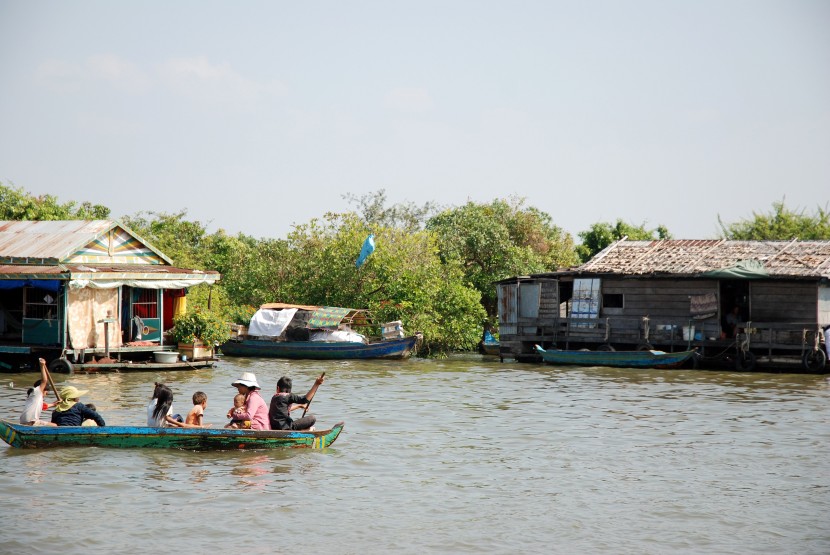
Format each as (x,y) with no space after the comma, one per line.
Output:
(71,291)
(749,305)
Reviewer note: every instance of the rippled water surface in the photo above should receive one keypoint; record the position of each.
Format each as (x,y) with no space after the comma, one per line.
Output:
(464,455)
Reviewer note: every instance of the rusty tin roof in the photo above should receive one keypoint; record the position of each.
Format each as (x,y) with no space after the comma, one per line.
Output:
(676,257)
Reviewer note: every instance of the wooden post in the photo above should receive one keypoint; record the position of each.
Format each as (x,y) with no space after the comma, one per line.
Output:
(107,321)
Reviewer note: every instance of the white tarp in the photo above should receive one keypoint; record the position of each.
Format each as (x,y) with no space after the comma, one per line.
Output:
(270,323)
(337,336)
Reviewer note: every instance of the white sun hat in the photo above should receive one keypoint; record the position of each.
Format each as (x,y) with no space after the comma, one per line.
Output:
(247,379)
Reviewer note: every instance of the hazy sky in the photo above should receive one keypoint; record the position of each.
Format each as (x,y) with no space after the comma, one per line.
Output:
(257,115)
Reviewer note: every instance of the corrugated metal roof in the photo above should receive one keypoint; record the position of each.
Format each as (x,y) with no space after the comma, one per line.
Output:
(695,257)
(48,239)
(67,271)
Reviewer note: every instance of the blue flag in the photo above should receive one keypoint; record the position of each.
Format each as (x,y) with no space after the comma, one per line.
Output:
(368,248)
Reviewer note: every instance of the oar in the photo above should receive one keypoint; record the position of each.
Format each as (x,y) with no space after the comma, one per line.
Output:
(52,385)
(307,404)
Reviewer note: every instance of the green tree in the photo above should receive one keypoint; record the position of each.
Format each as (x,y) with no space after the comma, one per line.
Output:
(403,279)
(602,234)
(780,223)
(179,239)
(372,207)
(19,205)
(494,241)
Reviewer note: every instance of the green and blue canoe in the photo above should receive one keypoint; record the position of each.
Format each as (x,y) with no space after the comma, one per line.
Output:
(192,439)
(616,359)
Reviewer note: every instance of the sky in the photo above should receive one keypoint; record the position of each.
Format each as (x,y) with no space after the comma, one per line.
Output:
(255,116)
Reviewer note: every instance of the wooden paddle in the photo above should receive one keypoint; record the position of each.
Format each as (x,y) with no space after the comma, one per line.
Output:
(52,385)
(307,404)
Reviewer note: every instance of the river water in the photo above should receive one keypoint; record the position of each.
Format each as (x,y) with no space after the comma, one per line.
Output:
(464,455)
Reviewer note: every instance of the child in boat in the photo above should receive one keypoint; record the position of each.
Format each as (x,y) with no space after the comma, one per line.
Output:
(160,410)
(34,400)
(235,414)
(90,421)
(284,402)
(195,415)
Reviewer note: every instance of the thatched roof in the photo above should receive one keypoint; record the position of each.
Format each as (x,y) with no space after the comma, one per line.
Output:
(803,259)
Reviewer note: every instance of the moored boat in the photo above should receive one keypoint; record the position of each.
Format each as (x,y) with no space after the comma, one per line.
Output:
(192,439)
(319,350)
(618,359)
(280,330)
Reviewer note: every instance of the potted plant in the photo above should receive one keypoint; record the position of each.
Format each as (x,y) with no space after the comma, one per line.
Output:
(197,333)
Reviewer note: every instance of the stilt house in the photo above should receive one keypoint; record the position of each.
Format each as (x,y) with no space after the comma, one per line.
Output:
(77,289)
(747,304)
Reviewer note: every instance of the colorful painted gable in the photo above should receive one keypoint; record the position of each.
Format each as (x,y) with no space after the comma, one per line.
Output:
(115,247)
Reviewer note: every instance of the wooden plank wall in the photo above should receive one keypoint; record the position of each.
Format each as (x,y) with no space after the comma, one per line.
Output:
(549,302)
(783,301)
(657,298)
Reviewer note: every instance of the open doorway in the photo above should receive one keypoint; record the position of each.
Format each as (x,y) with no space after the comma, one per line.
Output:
(734,300)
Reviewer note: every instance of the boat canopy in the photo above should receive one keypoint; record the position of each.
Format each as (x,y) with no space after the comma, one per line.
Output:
(321,317)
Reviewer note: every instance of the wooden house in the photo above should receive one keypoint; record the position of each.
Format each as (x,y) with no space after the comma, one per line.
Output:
(748,304)
(71,290)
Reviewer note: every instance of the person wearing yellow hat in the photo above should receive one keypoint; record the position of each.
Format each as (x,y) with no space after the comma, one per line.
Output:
(71,412)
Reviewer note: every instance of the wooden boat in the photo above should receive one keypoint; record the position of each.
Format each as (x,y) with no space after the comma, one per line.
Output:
(488,348)
(619,359)
(136,366)
(280,330)
(319,350)
(193,439)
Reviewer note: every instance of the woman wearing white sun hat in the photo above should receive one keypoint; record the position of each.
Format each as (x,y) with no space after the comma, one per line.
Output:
(255,408)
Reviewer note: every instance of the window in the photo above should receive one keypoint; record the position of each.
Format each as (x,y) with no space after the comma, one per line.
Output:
(145,303)
(40,304)
(612,300)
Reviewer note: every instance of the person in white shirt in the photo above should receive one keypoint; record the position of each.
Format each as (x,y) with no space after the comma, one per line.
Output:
(34,402)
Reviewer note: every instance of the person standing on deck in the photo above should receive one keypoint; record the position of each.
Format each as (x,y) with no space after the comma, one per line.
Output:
(255,408)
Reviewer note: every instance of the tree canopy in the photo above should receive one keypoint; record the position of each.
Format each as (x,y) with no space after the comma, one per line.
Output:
(17,204)
(602,234)
(497,240)
(780,223)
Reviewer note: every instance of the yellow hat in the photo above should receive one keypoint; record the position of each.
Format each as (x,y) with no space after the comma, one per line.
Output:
(72,392)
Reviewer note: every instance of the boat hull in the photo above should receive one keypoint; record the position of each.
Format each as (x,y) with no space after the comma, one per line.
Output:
(489,348)
(320,350)
(616,359)
(192,439)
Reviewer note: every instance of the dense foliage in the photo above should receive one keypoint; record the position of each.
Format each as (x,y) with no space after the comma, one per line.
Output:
(402,280)
(780,223)
(207,327)
(602,234)
(494,241)
(17,204)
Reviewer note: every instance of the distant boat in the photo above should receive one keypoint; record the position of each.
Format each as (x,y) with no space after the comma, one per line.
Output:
(319,350)
(488,345)
(193,439)
(489,348)
(280,330)
(618,359)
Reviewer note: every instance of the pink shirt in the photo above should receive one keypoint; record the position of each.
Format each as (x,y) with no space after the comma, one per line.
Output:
(256,411)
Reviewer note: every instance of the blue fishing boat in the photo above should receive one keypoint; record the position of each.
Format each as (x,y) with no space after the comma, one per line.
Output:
(618,359)
(319,350)
(279,330)
(192,439)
